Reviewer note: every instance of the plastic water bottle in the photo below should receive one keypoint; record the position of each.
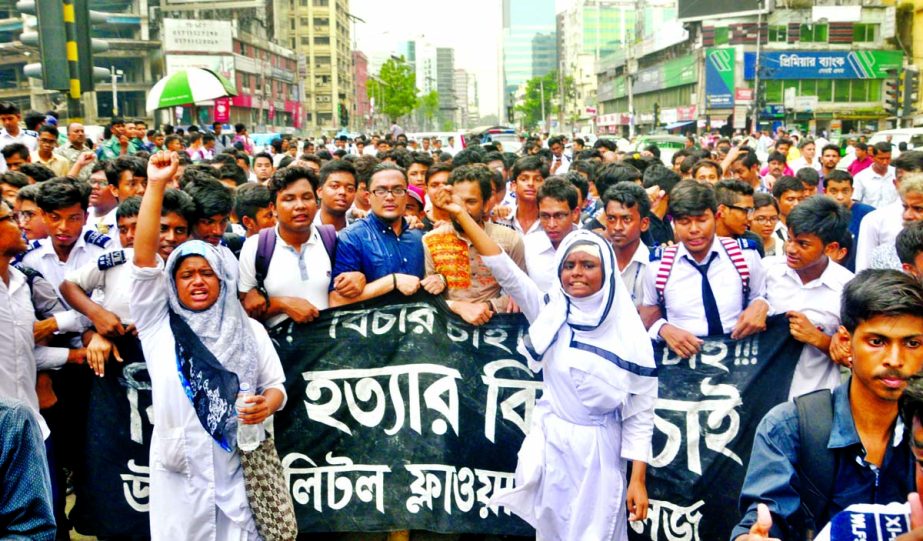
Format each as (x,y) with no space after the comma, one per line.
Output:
(248,436)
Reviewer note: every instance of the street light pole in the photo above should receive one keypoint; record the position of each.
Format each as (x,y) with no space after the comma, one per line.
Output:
(754,126)
(115,74)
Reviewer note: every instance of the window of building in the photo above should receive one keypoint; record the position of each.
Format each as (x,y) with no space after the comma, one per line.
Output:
(816,33)
(722,35)
(865,32)
(773,91)
(292,43)
(322,62)
(321,3)
(304,3)
(778,33)
(305,40)
(841,91)
(304,21)
(292,25)
(322,40)
(825,90)
(321,21)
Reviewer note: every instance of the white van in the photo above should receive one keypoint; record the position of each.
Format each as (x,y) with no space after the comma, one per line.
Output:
(912,136)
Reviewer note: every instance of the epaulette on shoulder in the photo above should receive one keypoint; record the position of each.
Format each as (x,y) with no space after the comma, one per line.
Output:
(747,244)
(111,259)
(656,253)
(34,245)
(92,237)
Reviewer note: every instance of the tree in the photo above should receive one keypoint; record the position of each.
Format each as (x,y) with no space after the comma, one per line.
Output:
(531,106)
(395,88)
(428,104)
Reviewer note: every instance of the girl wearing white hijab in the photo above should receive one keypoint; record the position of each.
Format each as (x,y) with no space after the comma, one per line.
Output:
(600,384)
(200,347)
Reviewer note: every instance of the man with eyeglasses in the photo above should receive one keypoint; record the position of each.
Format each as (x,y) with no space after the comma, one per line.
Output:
(45,155)
(735,206)
(558,207)
(382,246)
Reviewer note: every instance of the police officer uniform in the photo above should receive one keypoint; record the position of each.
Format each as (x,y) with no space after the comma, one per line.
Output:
(685,296)
(89,246)
(112,276)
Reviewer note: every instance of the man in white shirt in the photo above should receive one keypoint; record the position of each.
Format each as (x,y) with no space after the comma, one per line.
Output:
(627,207)
(68,247)
(560,163)
(10,116)
(706,285)
(336,193)
(882,225)
(527,178)
(875,185)
(297,277)
(806,285)
(557,211)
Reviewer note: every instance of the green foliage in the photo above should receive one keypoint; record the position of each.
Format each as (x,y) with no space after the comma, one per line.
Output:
(531,105)
(394,89)
(428,105)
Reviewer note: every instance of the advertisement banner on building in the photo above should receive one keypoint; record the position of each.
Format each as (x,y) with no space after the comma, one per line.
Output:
(719,77)
(223,65)
(223,110)
(743,95)
(870,64)
(197,36)
(677,72)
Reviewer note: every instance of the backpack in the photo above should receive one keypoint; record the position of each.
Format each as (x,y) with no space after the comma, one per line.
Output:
(733,249)
(817,464)
(266,244)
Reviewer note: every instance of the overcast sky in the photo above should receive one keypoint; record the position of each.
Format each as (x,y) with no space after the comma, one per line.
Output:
(471,27)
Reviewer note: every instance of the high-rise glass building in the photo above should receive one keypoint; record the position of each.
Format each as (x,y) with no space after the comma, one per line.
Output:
(529,47)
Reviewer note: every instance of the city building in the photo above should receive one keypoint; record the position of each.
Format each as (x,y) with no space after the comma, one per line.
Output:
(462,97)
(529,47)
(820,67)
(133,56)
(319,31)
(445,86)
(362,108)
(587,31)
(265,74)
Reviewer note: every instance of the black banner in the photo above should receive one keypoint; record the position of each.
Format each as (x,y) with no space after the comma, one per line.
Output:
(113,491)
(706,416)
(401,416)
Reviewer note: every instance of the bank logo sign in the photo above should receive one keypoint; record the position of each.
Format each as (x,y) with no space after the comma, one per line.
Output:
(719,77)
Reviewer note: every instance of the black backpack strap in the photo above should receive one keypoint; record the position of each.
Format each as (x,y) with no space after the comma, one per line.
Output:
(265,246)
(816,462)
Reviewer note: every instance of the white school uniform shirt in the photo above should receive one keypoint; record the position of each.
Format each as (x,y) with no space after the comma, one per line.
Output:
(30,141)
(634,272)
(104,225)
(683,291)
(305,275)
(513,221)
(880,226)
(874,189)
(540,260)
(89,246)
(21,359)
(197,488)
(111,274)
(819,300)
(564,167)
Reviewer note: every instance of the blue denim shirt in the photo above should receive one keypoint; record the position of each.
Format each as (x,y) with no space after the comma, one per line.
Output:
(772,478)
(370,246)
(25,493)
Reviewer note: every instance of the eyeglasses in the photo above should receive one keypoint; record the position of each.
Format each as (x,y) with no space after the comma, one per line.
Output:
(396,192)
(766,219)
(24,216)
(746,210)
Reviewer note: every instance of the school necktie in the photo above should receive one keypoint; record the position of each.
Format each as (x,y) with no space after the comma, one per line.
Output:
(712,315)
